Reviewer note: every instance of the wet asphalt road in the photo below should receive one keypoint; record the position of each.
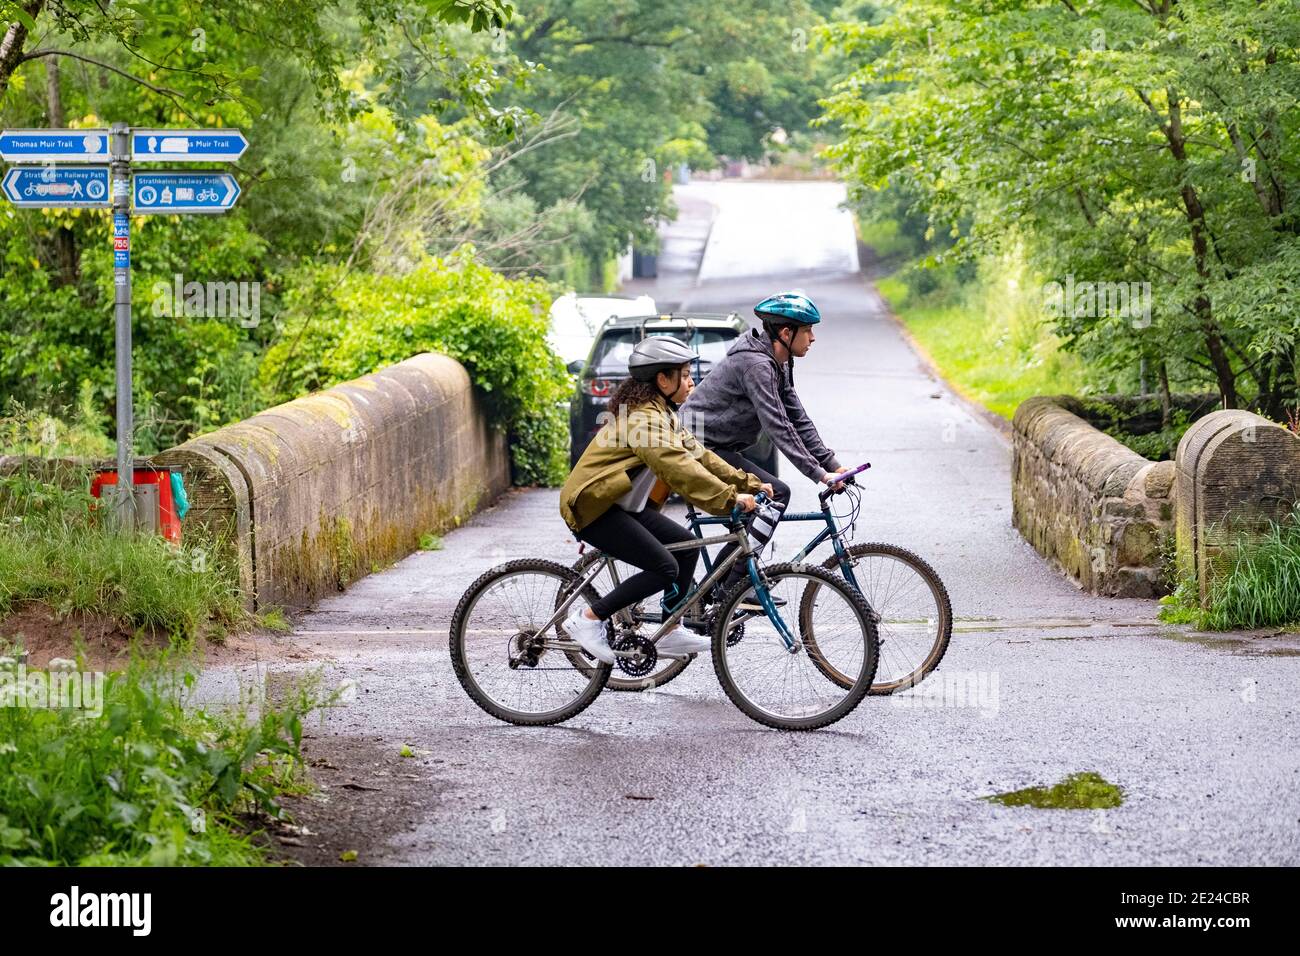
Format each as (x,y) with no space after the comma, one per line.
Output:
(1201,733)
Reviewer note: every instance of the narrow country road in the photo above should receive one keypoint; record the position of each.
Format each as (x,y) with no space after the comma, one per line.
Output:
(1201,733)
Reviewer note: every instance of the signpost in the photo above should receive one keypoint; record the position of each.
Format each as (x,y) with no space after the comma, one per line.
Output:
(184,192)
(51,186)
(55,145)
(188,145)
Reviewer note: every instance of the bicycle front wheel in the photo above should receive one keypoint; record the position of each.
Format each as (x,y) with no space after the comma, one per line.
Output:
(507,664)
(789,689)
(912,610)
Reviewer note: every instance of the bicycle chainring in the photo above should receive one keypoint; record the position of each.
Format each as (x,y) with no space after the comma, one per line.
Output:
(640,665)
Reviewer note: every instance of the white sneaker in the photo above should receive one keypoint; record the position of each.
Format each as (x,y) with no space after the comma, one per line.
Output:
(590,636)
(681,641)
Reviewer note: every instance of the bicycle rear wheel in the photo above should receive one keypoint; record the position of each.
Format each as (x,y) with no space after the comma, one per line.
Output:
(790,690)
(501,658)
(914,614)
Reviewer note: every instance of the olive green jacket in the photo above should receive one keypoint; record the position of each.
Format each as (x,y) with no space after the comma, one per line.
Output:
(649,435)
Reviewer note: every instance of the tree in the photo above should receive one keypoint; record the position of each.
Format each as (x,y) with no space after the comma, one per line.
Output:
(323,159)
(650,85)
(1148,141)
(160,39)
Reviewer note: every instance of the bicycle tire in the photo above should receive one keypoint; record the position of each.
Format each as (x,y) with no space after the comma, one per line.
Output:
(943,608)
(856,692)
(597,675)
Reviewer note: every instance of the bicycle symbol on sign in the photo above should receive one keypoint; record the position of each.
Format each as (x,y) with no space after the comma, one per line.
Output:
(204,195)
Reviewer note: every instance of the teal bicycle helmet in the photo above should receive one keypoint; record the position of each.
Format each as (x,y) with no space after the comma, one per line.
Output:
(788,308)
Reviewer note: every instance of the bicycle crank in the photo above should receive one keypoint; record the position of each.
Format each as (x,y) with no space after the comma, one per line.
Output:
(635,655)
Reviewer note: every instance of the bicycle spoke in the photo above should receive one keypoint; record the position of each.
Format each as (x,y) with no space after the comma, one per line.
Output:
(501,624)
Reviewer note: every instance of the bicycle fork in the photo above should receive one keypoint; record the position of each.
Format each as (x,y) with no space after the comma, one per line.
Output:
(765,601)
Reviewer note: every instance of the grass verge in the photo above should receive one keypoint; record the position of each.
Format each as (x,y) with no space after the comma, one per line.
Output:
(1259,586)
(55,551)
(985,337)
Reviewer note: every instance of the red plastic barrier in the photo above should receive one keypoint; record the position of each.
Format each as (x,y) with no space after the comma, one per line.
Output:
(167,521)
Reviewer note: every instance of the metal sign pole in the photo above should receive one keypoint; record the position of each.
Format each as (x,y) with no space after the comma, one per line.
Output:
(121,174)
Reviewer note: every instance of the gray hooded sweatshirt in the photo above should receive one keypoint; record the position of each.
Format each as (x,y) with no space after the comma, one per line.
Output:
(749,390)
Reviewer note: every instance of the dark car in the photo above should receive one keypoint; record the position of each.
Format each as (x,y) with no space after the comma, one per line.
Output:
(709,334)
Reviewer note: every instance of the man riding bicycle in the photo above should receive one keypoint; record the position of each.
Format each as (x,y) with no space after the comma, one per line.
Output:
(752,388)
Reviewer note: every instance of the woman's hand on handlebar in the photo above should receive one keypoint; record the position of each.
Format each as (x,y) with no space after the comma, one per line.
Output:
(746,502)
(768,490)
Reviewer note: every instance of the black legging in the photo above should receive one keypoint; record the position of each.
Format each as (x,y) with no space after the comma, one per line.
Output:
(639,538)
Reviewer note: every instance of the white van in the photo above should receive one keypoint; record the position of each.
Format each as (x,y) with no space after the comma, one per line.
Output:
(575,320)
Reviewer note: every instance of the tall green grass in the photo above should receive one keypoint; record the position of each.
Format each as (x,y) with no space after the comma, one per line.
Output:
(1261,587)
(149,781)
(1258,586)
(56,550)
(989,337)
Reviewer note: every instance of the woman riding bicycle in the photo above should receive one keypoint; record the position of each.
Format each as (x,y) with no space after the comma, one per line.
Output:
(604,499)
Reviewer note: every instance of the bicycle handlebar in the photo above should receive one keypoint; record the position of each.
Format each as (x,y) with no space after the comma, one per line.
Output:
(737,514)
(842,479)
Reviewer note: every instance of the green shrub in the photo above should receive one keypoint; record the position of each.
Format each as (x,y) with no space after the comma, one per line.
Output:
(345,325)
(192,373)
(894,290)
(80,431)
(146,782)
(883,238)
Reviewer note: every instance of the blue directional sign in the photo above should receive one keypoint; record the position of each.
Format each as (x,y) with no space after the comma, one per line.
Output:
(55,146)
(52,186)
(187,145)
(172,192)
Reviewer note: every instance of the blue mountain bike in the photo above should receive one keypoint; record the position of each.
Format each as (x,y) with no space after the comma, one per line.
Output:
(908,601)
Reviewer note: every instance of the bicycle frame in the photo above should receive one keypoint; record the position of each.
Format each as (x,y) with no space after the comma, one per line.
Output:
(832,531)
(693,597)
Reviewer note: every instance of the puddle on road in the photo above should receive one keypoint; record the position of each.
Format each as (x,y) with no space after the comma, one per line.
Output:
(1079,791)
(975,625)
(1257,644)
(1281,644)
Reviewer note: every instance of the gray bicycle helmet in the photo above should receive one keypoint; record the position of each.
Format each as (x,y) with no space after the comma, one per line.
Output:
(658,353)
